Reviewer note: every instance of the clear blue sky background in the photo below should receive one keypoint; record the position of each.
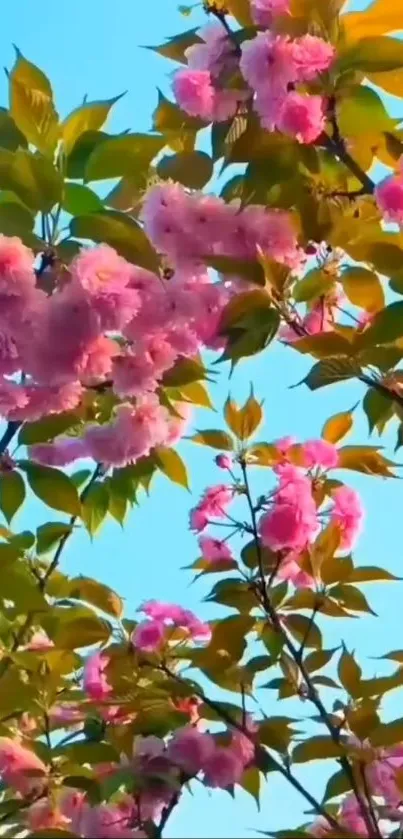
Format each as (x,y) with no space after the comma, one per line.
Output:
(92,47)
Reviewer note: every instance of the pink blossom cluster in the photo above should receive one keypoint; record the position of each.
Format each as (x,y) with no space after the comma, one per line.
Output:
(189,227)
(293,521)
(202,88)
(150,634)
(389,196)
(273,66)
(72,813)
(382,768)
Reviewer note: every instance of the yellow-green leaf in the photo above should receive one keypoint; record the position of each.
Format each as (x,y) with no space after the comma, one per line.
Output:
(88,117)
(315,284)
(316,748)
(337,427)
(363,288)
(53,487)
(350,673)
(122,155)
(380,17)
(172,465)
(80,630)
(79,200)
(361,111)
(193,169)
(98,594)
(214,438)
(95,506)
(31,105)
(12,494)
(244,421)
(121,232)
(32,177)
(366,459)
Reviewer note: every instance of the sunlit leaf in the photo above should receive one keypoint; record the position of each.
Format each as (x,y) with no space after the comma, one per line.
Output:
(90,116)
(98,594)
(53,487)
(337,427)
(172,465)
(95,507)
(31,105)
(243,422)
(193,169)
(214,438)
(12,494)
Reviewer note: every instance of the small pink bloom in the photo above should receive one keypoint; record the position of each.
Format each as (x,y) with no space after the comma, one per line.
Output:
(291,570)
(215,551)
(265,11)
(43,815)
(302,117)
(16,267)
(222,769)
(194,92)
(311,56)
(389,197)
(213,504)
(320,827)
(320,453)
(348,515)
(190,749)
(95,682)
(20,768)
(39,642)
(148,636)
(96,268)
(284,444)
(223,461)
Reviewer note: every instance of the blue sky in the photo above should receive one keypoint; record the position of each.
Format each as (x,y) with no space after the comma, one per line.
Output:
(91,47)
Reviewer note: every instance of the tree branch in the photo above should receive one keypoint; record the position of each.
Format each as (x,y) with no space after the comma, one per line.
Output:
(312,693)
(10,432)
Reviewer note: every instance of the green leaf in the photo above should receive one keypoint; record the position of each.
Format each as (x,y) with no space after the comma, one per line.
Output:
(17,220)
(360,111)
(304,630)
(20,586)
(336,785)
(31,105)
(242,308)
(248,269)
(350,598)
(88,752)
(122,155)
(78,628)
(388,734)
(121,232)
(316,748)
(315,284)
(79,200)
(10,136)
(95,507)
(98,594)
(53,487)
(378,409)
(87,117)
(175,48)
(276,733)
(331,370)
(370,574)
(171,464)
(32,177)
(12,494)
(49,535)
(349,673)
(214,438)
(82,151)
(363,288)
(251,782)
(48,428)
(242,343)
(193,169)
(386,326)
(184,371)
(179,129)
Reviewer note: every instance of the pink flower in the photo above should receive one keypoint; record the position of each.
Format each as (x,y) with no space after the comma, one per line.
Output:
(43,815)
(194,93)
(190,749)
(165,612)
(96,268)
(222,769)
(66,715)
(347,514)
(389,197)
(95,682)
(320,827)
(213,53)
(267,62)
(302,117)
(39,642)
(148,636)
(215,551)
(179,425)
(213,504)
(59,453)
(291,570)
(320,454)
(265,11)
(284,444)
(350,816)
(16,267)
(223,461)
(243,748)
(292,521)
(12,397)
(20,768)
(311,56)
